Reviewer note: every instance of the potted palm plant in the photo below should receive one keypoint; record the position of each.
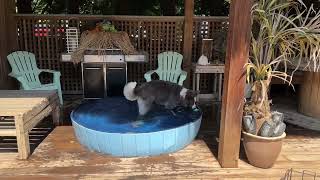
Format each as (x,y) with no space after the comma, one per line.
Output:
(284,32)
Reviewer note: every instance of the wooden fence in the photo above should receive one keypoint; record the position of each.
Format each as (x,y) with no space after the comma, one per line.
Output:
(44,35)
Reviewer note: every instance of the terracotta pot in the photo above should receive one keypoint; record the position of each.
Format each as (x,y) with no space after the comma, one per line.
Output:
(262,151)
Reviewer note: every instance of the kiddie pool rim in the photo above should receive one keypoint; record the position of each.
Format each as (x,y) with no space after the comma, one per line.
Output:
(136,144)
(192,122)
(100,141)
(187,124)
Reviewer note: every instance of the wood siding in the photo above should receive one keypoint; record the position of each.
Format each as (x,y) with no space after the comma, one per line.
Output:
(7,41)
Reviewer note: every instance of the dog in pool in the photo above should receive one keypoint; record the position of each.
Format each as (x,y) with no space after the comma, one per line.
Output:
(164,93)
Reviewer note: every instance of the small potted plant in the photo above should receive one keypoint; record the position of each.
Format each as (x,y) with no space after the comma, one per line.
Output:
(283,32)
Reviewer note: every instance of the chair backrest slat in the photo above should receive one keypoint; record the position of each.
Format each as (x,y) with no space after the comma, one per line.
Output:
(23,63)
(169,66)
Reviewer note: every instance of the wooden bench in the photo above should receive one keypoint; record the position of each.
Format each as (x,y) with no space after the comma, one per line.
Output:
(27,108)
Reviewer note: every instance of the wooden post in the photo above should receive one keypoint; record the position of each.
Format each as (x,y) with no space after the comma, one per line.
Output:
(234,83)
(309,96)
(187,38)
(8,40)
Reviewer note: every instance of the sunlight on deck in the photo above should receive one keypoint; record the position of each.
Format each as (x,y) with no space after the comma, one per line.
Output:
(61,156)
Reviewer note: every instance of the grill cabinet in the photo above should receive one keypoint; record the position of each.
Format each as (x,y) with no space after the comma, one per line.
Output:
(103,75)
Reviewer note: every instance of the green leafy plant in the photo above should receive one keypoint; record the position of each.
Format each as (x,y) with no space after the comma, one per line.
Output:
(107,27)
(284,34)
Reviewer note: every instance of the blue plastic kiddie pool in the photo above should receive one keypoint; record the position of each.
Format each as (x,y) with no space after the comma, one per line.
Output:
(110,126)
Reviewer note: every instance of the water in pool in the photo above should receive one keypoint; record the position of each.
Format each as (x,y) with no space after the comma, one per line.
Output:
(118,115)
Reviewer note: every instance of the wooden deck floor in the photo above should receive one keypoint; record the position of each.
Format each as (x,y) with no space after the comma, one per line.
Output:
(60,156)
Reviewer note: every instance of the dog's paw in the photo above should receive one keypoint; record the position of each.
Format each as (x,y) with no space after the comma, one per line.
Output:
(195,109)
(136,124)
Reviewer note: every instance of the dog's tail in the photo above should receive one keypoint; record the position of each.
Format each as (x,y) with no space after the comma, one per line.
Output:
(128,91)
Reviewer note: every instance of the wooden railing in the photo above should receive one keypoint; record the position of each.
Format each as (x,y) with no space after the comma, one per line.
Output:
(44,35)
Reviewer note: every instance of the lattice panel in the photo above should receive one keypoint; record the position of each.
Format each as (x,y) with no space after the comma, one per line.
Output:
(153,37)
(209,28)
(45,37)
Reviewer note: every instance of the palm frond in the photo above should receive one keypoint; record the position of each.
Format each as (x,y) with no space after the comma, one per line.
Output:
(288,32)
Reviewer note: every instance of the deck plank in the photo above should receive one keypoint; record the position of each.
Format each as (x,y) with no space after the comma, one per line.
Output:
(60,156)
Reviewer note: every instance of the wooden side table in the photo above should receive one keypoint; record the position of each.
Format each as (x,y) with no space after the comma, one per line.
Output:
(217,70)
(27,108)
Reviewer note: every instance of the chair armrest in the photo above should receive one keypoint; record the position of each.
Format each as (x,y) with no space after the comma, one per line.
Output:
(21,79)
(13,75)
(148,74)
(183,76)
(50,71)
(18,77)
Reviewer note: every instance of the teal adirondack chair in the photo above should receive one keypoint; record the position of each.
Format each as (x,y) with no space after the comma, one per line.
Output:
(169,68)
(25,70)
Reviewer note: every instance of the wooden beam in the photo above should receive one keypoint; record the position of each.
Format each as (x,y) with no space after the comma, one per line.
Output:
(12,28)
(233,95)
(8,40)
(187,38)
(3,42)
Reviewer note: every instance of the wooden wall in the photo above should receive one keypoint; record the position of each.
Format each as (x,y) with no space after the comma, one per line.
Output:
(148,33)
(7,41)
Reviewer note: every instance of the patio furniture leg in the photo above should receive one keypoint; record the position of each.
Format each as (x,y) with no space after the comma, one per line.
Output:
(56,115)
(198,84)
(22,139)
(214,92)
(220,87)
(194,81)
(23,145)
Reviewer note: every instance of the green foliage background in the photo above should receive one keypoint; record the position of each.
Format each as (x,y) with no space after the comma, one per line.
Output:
(122,7)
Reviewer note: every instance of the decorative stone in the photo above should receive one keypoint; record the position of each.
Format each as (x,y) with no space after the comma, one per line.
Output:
(249,124)
(266,129)
(279,129)
(277,117)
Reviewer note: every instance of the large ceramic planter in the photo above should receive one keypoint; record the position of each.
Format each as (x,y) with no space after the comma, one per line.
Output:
(262,152)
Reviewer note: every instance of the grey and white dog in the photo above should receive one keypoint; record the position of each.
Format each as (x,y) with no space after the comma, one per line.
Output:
(159,92)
